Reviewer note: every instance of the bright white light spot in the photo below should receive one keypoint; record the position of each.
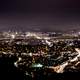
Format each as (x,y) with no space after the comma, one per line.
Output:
(30,54)
(15,64)
(13,36)
(19,59)
(37,65)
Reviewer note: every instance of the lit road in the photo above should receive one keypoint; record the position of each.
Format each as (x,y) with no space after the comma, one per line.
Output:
(60,68)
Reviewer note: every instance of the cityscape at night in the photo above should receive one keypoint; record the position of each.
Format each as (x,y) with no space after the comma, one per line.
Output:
(38,55)
(39,39)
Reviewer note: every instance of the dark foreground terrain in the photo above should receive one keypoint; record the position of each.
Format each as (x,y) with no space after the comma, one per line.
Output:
(9,72)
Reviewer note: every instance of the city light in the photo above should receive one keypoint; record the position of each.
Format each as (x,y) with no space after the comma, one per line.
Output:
(33,51)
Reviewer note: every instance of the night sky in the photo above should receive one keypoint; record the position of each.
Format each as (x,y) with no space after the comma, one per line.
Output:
(39,15)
